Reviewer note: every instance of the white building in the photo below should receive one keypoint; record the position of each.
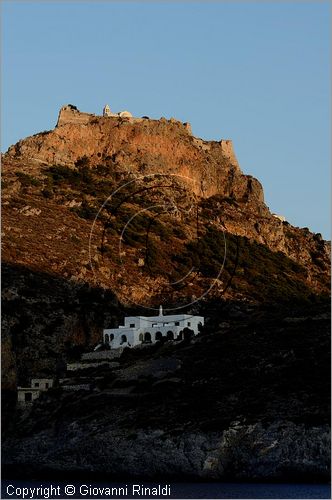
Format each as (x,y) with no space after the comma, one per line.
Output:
(122,114)
(282,218)
(125,114)
(149,329)
(26,395)
(107,111)
(42,383)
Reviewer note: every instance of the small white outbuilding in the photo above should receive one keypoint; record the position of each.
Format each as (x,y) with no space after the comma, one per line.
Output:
(26,395)
(107,110)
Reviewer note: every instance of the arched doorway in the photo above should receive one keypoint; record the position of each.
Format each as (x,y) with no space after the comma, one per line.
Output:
(107,339)
(112,337)
(147,337)
(141,337)
(159,336)
(188,333)
(123,339)
(170,335)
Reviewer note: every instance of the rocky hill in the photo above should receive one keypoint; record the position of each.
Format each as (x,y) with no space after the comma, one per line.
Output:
(105,216)
(78,165)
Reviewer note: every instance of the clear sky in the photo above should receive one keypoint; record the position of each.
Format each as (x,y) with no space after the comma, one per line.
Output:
(255,72)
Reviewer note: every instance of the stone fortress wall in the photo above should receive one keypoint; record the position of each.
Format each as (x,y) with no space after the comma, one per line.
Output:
(227,150)
(71,114)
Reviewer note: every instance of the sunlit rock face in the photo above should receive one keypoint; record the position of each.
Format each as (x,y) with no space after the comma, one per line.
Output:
(247,398)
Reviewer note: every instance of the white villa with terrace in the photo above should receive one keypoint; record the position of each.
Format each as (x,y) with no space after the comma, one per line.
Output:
(149,329)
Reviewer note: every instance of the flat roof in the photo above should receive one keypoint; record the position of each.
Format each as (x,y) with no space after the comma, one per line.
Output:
(30,389)
(170,317)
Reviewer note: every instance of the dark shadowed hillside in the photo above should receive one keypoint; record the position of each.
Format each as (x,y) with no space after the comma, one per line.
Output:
(106,216)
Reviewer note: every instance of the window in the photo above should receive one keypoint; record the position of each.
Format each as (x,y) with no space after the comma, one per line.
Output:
(188,323)
(46,385)
(123,339)
(36,384)
(177,323)
(112,336)
(132,325)
(28,397)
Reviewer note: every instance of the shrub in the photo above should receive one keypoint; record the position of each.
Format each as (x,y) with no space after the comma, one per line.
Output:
(27,180)
(60,173)
(82,162)
(47,193)
(179,232)
(155,260)
(80,178)
(102,169)
(85,211)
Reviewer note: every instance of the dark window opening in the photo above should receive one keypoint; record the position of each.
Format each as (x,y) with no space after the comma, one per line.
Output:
(177,323)
(36,384)
(132,325)
(28,397)
(159,336)
(147,337)
(46,385)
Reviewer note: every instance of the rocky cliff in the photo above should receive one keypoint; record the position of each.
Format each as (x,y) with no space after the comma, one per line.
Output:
(142,146)
(58,231)
(138,150)
(106,216)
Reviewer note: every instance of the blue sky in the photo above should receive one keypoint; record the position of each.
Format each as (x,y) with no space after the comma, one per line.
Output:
(255,72)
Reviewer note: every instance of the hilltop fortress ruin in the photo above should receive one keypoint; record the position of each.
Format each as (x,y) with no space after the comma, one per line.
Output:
(72,169)
(142,146)
(71,114)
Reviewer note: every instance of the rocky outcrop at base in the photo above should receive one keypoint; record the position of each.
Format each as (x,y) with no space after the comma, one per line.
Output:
(246,402)
(280,451)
